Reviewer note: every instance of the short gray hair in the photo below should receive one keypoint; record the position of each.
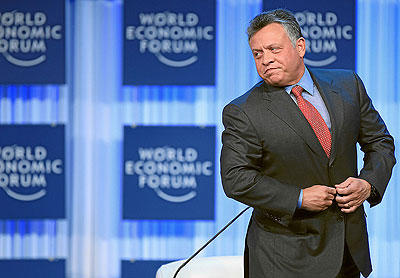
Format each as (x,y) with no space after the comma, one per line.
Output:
(281,16)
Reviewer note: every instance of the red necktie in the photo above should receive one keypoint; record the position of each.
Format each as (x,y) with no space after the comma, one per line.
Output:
(315,120)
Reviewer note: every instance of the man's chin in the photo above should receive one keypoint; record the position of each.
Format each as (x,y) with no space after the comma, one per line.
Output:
(273,81)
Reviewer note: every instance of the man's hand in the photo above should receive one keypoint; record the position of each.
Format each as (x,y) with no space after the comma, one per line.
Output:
(318,197)
(352,193)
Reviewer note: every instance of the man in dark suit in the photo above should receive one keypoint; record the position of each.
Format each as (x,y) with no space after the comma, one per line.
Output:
(289,151)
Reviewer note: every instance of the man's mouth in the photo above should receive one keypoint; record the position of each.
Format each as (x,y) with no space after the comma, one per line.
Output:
(269,70)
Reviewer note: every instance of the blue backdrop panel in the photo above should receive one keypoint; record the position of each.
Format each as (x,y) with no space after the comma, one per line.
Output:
(169,172)
(329,30)
(140,269)
(169,42)
(32,176)
(32,42)
(32,268)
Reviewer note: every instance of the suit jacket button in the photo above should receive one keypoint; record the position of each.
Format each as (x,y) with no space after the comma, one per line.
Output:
(340,218)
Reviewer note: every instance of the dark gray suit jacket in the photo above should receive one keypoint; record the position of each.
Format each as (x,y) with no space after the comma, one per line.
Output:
(270,152)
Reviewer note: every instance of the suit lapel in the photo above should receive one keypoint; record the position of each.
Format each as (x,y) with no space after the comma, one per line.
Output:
(334,103)
(280,103)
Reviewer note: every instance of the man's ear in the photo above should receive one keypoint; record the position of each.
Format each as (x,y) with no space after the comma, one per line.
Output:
(301,46)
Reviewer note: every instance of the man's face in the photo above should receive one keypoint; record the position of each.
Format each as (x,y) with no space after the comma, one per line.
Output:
(277,61)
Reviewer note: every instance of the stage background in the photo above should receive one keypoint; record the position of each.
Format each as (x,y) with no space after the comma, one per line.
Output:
(94,106)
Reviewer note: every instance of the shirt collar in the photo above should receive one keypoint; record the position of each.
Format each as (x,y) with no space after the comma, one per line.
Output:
(305,82)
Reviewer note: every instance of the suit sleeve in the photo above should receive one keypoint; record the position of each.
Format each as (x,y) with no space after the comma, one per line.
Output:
(377,145)
(241,169)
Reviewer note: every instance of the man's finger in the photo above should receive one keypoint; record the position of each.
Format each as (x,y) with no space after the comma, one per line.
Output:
(343,190)
(330,197)
(349,210)
(346,205)
(344,184)
(343,199)
(331,190)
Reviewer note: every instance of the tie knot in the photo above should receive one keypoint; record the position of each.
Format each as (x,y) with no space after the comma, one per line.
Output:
(297,90)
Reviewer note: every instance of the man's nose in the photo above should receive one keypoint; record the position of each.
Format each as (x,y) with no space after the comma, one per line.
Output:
(267,58)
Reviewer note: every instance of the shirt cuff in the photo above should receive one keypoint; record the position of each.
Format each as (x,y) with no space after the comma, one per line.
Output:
(300,201)
(374,198)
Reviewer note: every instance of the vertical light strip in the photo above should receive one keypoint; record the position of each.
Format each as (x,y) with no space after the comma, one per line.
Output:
(82,133)
(107,138)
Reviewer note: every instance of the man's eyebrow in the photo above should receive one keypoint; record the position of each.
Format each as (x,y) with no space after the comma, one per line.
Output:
(269,46)
(262,47)
(275,45)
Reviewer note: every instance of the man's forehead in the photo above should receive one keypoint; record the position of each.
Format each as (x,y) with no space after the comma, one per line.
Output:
(272,27)
(269,34)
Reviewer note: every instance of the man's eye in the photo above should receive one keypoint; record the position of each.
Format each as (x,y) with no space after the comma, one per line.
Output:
(257,54)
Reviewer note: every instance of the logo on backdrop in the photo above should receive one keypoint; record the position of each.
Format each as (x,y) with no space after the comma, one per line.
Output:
(166,169)
(173,39)
(329,31)
(32,41)
(32,176)
(26,33)
(169,170)
(23,171)
(170,34)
